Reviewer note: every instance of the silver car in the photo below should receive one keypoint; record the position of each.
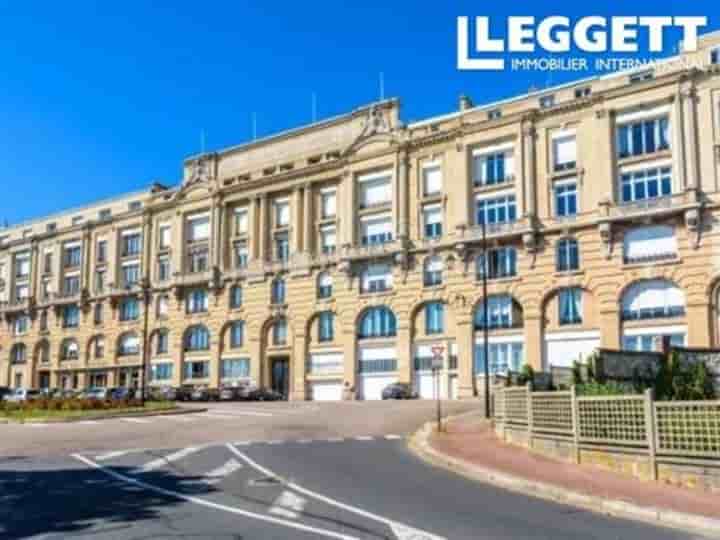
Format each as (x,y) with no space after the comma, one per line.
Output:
(22,394)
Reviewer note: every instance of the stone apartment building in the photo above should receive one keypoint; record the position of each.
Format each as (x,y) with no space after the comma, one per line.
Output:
(328,261)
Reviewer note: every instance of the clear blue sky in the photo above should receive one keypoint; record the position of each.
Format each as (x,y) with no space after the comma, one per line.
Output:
(99,98)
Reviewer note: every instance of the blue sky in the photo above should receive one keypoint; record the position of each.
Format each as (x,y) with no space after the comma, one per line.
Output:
(97,99)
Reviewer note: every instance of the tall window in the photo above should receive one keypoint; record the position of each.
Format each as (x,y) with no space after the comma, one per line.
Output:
(378,322)
(71,316)
(328,203)
(503,357)
(570,306)
(432,271)
(99,347)
(432,179)
(324,284)
(652,299)
(198,259)
(48,262)
(237,331)
(279,332)
(500,263)
(130,274)
(241,254)
(496,210)
(568,256)
(198,228)
(18,354)
(235,368)
(564,152)
(715,56)
(72,256)
(646,184)
(162,342)
(241,221)
(328,239)
(432,220)
(164,236)
(164,268)
(197,338)
(101,255)
(376,230)
(43,353)
(69,350)
(99,281)
(434,318)
(501,313)
(277,293)
(129,309)
(282,214)
(326,330)
(161,371)
(282,247)
(493,168)
(197,369)
(22,266)
(163,305)
(236,297)
(376,278)
(98,313)
(128,344)
(566,198)
(131,244)
(71,285)
(375,189)
(643,137)
(22,323)
(197,301)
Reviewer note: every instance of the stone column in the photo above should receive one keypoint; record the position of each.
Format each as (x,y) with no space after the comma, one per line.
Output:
(297,367)
(690,136)
(529,176)
(404,353)
(216,348)
(401,195)
(533,336)
(147,246)
(678,143)
(256,360)
(252,227)
(698,322)
(218,238)
(308,219)
(85,276)
(296,208)
(459,174)
(610,328)
(34,272)
(466,356)
(350,359)
(262,228)
(347,218)
(178,243)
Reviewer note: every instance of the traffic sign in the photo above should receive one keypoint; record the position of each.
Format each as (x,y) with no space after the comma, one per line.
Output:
(437,359)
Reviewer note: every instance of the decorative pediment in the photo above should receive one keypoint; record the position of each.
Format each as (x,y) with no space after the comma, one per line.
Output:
(377,133)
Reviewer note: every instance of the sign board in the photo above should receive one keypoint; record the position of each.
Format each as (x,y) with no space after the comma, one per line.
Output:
(437,359)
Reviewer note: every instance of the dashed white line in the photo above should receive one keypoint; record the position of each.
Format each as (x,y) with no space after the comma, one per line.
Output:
(393,437)
(304,441)
(135,420)
(274,442)
(36,424)
(179,418)
(88,422)
(288,505)
(235,414)
(244,443)
(334,439)
(216,475)
(157,463)
(112,455)
(364,438)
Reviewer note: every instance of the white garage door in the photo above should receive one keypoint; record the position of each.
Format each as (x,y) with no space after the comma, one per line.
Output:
(563,348)
(375,371)
(326,390)
(453,387)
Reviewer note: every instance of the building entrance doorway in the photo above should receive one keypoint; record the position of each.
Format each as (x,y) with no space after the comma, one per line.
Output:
(280,380)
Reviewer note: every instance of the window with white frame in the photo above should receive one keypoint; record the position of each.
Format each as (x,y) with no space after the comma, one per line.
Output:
(72,254)
(324,284)
(376,229)
(434,318)
(162,342)
(18,353)
(241,254)
(432,221)
(328,203)
(236,297)
(652,299)
(21,325)
(164,268)
(566,198)
(493,165)
(567,256)
(649,243)
(547,101)
(282,213)
(164,236)
(564,148)
(277,291)
(69,350)
(198,228)
(22,266)
(163,305)
(279,332)
(652,341)
(504,356)
(432,179)
(375,189)
(129,344)
(199,259)
(570,306)
(161,371)
(500,313)
(237,333)
(643,184)
(131,244)
(130,274)
(235,368)
(21,292)
(643,136)
(197,369)
(499,263)
(433,271)
(376,278)
(494,210)
(328,239)
(326,326)
(197,301)
(282,246)
(71,284)
(129,309)
(101,253)
(241,221)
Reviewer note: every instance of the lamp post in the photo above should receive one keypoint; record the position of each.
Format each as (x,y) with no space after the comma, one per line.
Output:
(146,345)
(486,266)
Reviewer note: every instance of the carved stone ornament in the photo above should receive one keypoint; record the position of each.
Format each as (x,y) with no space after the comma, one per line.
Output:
(200,171)
(375,123)
(607,239)
(693,222)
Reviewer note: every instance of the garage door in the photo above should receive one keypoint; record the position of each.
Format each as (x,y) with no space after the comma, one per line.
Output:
(377,370)
(326,390)
(453,387)
(424,382)
(561,349)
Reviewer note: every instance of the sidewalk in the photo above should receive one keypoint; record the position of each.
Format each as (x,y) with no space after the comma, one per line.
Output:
(469,446)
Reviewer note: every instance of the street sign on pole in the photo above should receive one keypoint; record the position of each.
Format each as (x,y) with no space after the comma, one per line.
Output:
(437,359)
(437,364)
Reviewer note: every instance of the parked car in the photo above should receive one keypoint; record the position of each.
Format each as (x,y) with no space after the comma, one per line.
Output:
(228,393)
(163,393)
(245,390)
(398,391)
(183,393)
(4,392)
(22,394)
(121,393)
(201,393)
(264,394)
(99,393)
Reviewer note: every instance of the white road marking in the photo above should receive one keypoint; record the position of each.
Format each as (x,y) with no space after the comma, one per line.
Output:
(235,414)
(112,455)
(210,504)
(216,475)
(288,505)
(275,442)
(334,439)
(244,443)
(401,531)
(304,441)
(393,437)
(88,422)
(179,418)
(364,438)
(35,424)
(135,420)
(157,463)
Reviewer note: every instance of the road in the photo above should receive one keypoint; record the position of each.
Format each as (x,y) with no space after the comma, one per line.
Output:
(289,471)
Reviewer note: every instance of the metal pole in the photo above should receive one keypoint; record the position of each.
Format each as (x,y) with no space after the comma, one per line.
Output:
(437,399)
(143,377)
(486,266)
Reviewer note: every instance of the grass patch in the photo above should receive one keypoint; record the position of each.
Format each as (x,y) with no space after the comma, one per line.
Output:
(37,415)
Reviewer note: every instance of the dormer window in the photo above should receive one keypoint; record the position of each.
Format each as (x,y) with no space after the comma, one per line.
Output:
(715,56)
(582,92)
(641,77)
(547,101)
(494,114)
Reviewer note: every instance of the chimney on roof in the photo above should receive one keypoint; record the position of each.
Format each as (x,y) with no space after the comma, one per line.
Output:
(465,102)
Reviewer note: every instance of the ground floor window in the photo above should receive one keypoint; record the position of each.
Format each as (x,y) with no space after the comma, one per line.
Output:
(197,369)
(98,380)
(235,368)
(161,372)
(651,342)
(504,356)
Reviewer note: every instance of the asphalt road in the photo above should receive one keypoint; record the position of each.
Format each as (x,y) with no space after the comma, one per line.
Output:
(273,482)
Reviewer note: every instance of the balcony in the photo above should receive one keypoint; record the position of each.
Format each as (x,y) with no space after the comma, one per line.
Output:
(497,229)
(19,304)
(654,206)
(376,287)
(373,249)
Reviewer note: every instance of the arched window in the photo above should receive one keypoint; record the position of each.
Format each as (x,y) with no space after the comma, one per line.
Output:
(277,294)
(652,299)
(567,255)
(648,244)
(434,318)
(97,347)
(502,312)
(236,296)
(236,334)
(279,332)
(163,303)
(324,285)
(162,341)
(128,344)
(197,338)
(326,326)
(18,354)
(432,271)
(377,322)
(69,349)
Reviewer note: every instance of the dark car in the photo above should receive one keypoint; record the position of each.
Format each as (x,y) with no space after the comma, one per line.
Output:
(398,391)
(184,393)
(121,393)
(203,393)
(264,394)
(228,393)
(4,391)
(164,393)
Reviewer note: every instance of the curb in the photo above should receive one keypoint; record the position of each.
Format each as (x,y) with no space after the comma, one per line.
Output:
(420,446)
(138,414)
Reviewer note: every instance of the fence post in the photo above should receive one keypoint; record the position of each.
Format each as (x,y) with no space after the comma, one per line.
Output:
(650,431)
(528,391)
(575,423)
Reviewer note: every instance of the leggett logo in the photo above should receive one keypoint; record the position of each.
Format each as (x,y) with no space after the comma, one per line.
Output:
(556,34)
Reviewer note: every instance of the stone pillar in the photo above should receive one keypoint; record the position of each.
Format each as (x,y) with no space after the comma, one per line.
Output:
(252,228)
(690,136)
(698,316)
(297,367)
(350,359)
(178,243)
(85,276)
(459,175)
(218,231)
(34,272)
(529,177)
(610,328)
(678,143)
(401,195)
(466,356)
(403,346)
(347,218)
(533,336)
(262,228)
(147,246)
(256,360)
(296,209)
(308,219)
